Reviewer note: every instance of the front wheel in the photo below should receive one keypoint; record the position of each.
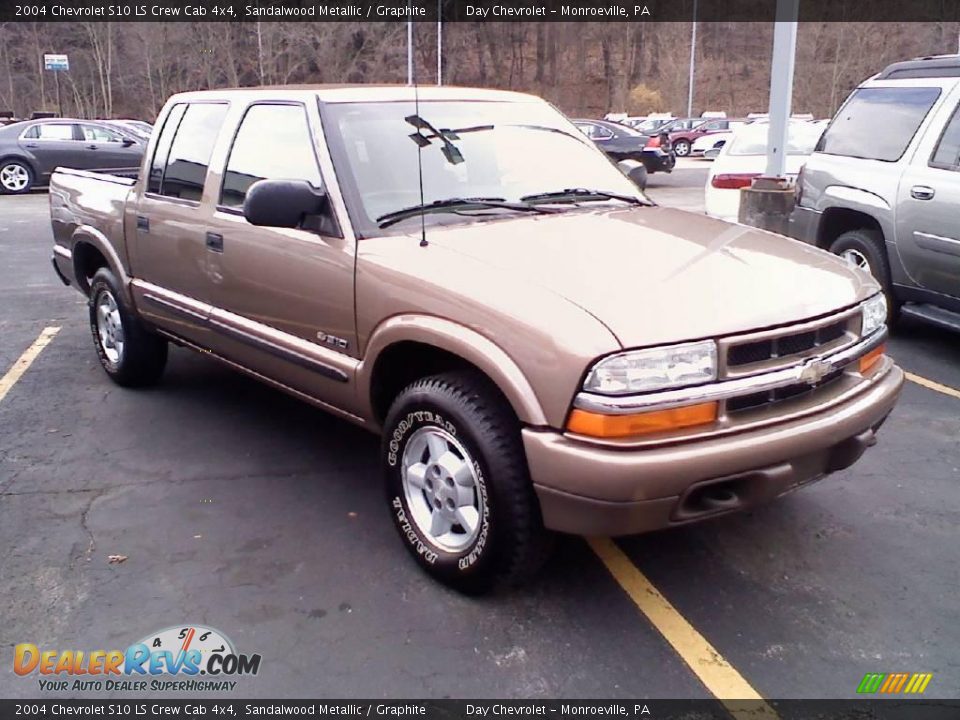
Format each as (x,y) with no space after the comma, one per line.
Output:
(16,177)
(864,249)
(681,148)
(130,354)
(457,483)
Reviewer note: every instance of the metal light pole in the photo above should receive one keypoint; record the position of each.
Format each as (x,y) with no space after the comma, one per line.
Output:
(781,85)
(693,60)
(409,52)
(439,42)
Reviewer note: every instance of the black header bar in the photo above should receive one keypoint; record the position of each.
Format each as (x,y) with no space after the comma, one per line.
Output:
(471,10)
(138,707)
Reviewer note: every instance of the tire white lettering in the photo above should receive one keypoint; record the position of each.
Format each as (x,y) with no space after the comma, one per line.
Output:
(471,558)
(429,555)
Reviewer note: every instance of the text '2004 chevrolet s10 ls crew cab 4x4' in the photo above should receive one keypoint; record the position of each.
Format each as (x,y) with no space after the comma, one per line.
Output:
(464,272)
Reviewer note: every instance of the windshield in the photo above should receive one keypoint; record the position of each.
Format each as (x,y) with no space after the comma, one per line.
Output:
(502,151)
(802,137)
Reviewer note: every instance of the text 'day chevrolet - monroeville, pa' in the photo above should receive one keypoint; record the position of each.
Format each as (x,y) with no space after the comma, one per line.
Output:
(464,272)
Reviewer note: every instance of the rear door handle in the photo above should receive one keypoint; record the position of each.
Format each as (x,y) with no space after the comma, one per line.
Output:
(91,147)
(922,192)
(32,145)
(215,242)
(143,224)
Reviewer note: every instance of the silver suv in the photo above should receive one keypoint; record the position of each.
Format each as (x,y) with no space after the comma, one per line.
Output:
(882,188)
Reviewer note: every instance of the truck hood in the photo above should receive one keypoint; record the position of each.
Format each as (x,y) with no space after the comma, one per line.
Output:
(655,275)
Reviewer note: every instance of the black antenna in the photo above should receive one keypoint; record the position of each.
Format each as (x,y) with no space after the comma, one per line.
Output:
(416,110)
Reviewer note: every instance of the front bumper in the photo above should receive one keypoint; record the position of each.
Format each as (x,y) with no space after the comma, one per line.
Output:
(587,489)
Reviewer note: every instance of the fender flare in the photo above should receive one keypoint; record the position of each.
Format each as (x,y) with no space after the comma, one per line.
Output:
(458,340)
(89,235)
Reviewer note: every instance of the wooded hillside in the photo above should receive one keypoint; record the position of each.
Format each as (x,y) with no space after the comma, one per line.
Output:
(129,69)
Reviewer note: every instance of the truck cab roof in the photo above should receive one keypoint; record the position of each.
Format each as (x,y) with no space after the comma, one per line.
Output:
(362,93)
(935,66)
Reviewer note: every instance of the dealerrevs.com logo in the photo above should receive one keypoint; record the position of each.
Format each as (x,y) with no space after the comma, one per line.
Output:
(182,658)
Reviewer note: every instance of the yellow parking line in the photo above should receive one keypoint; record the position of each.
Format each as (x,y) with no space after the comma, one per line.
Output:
(719,677)
(945,389)
(24,361)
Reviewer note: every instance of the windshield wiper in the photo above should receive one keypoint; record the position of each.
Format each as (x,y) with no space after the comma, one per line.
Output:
(580,195)
(453,205)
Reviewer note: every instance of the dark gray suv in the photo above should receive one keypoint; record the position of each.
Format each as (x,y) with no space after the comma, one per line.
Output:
(882,188)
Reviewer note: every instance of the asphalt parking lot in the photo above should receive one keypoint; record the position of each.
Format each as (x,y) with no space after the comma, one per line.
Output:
(242,509)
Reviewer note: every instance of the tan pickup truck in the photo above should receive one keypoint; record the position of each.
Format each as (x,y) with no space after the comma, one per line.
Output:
(462,271)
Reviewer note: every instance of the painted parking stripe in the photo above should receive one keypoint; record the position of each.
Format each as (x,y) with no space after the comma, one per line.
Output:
(719,677)
(930,384)
(24,362)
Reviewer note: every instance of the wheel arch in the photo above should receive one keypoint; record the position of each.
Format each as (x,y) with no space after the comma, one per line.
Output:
(837,220)
(91,250)
(405,348)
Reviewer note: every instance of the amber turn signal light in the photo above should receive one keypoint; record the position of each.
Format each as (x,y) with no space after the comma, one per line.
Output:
(592,424)
(871,359)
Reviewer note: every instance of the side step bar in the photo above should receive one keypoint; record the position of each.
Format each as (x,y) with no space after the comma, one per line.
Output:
(934,315)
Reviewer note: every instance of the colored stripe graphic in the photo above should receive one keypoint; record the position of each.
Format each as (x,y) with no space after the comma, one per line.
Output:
(893,683)
(871,682)
(918,683)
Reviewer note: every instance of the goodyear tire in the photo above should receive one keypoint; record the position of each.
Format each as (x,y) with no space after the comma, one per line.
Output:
(130,354)
(457,483)
(865,249)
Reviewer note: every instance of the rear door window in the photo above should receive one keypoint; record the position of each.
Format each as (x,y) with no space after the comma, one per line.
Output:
(186,167)
(50,131)
(272,142)
(162,150)
(947,153)
(878,123)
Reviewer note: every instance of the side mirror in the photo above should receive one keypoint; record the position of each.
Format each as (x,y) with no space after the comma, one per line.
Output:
(282,203)
(711,153)
(636,171)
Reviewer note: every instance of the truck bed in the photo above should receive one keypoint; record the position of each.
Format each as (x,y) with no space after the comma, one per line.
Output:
(88,206)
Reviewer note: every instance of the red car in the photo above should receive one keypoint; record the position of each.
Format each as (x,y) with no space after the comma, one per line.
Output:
(682,140)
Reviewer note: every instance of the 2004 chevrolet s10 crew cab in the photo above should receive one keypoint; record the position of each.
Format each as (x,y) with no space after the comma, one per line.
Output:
(541,348)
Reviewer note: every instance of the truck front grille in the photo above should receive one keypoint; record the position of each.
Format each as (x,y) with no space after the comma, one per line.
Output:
(771,398)
(785,346)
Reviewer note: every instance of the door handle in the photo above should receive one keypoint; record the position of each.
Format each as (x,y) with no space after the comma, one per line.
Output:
(215,242)
(32,145)
(91,147)
(922,192)
(143,224)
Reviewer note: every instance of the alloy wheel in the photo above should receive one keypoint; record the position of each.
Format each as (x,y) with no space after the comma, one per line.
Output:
(855,258)
(14,177)
(110,327)
(442,489)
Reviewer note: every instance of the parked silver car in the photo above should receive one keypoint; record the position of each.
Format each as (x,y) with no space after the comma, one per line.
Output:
(31,150)
(883,187)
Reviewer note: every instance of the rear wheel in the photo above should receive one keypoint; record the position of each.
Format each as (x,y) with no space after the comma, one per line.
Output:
(130,354)
(681,147)
(864,249)
(16,177)
(457,483)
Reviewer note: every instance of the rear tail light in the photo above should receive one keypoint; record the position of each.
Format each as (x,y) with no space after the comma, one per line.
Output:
(653,142)
(733,181)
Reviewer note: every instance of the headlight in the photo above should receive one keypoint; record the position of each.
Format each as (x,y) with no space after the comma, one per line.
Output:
(874,315)
(655,369)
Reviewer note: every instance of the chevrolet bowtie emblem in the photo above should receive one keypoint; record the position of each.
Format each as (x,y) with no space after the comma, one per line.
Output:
(814,371)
